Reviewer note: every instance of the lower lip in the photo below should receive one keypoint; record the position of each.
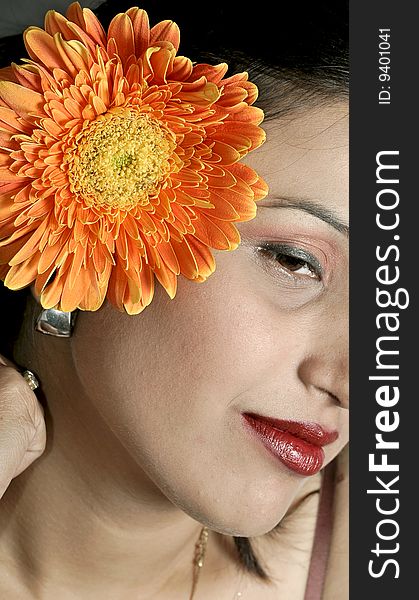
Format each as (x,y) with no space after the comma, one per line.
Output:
(297,454)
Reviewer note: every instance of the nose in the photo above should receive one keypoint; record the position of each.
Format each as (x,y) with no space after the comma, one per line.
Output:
(328,373)
(326,366)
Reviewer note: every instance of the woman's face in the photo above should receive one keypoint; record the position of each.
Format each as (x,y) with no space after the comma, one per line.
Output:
(266,334)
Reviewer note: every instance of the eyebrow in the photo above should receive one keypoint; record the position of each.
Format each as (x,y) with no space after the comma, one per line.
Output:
(311,207)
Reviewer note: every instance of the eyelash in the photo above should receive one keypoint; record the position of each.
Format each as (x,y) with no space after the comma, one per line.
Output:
(274,251)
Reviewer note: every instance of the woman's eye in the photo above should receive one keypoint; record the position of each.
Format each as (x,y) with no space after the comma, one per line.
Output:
(295,261)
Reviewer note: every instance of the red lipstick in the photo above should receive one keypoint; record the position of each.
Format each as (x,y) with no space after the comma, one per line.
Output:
(297,445)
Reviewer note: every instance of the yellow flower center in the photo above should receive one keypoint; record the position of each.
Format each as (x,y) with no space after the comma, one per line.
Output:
(120,160)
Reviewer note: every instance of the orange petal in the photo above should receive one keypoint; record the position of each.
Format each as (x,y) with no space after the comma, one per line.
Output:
(30,247)
(70,297)
(166,251)
(167,279)
(222,208)
(139,294)
(42,280)
(5,159)
(122,248)
(181,69)
(208,94)
(19,276)
(121,29)
(101,257)
(76,265)
(98,105)
(244,172)
(73,108)
(88,22)
(41,47)
(75,13)
(133,296)
(20,99)
(234,137)
(228,154)
(203,257)
(228,229)
(28,76)
(9,120)
(166,31)
(8,251)
(6,188)
(241,202)
(50,296)
(48,256)
(95,293)
(131,226)
(186,258)
(147,284)
(232,95)
(73,54)
(217,234)
(260,189)
(6,176)
(7,74)
(213,73)
(247,114)
(57,23)
(226,179)
(117,285)
(141,28)
(5,210)
(160,63)
(54,23)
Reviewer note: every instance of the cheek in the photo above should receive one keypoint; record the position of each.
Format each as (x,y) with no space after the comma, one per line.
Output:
(196,352)
(172,381)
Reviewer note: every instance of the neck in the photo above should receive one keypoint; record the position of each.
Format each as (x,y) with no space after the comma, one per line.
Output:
(86,517)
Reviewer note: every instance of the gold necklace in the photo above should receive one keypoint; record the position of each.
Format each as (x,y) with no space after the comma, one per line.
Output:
(199,558)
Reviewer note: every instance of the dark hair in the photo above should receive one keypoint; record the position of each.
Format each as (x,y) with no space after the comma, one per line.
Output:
(298,56)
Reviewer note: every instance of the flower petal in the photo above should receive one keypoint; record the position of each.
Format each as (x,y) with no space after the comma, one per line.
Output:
(167,279)
(80,247)
(23,274)
(121,29)
(51,294)
(141,28)
(7,74)
(88,22)
(168,254)
(203,257)
(22,100)
(41,47)
(166,31)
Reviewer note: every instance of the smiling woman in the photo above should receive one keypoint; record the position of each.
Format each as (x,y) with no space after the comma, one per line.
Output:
(213,412)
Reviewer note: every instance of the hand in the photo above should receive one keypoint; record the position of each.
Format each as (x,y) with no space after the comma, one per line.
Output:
(22,425)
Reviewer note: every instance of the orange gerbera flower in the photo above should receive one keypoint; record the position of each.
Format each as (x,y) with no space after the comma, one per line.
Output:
(119,161)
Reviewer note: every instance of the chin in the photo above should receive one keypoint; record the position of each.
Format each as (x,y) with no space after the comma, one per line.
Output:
(242,515)
(251,525)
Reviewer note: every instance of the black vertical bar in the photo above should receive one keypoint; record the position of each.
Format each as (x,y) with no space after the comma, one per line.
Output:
(383,554)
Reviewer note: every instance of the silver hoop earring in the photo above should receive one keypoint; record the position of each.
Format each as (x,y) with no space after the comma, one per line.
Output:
(56,322)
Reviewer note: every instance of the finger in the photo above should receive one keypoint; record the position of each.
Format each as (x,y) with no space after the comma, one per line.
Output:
(22,425)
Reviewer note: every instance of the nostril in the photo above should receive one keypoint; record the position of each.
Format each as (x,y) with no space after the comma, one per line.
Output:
(335,398)
(327,376)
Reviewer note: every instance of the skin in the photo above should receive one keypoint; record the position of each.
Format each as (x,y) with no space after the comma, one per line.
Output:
(144,428)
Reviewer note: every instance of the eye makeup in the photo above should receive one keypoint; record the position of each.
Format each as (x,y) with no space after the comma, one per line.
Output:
(297,261)
(295,256)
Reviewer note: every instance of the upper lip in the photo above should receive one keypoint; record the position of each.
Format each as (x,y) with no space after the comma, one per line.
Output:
(312,433)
